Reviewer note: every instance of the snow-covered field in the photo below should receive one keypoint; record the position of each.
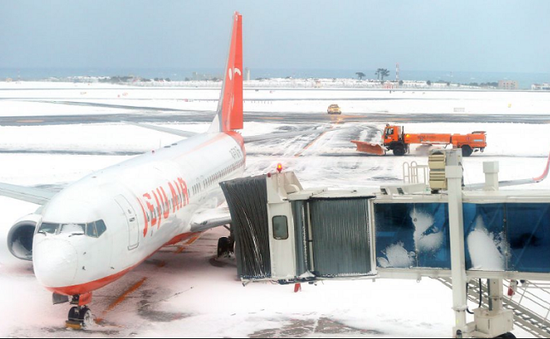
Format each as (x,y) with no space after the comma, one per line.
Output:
(188,294)
(266,99)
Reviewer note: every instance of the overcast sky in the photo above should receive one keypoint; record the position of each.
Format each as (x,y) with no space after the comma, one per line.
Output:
(450,35)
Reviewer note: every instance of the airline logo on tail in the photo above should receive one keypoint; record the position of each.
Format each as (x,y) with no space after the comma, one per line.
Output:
(230,109)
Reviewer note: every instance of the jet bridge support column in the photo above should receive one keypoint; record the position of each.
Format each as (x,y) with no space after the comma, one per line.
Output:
(453,174)
(490,168)
(495,320)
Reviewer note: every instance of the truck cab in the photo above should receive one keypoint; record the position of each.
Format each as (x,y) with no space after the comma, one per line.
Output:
(393,139)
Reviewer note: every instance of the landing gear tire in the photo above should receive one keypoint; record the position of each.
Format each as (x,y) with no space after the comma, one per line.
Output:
(74,314)
(225,246)
(466,151)
(80,317)
(87,317)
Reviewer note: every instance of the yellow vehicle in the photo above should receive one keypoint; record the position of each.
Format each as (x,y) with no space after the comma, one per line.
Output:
(334,109)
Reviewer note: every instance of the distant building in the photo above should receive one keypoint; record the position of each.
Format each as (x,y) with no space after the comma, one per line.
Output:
(508,84)
(541,87)
(247,74)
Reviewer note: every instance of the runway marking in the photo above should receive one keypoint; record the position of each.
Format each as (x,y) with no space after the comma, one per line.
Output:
(120,299)
(181,248)
(338,120)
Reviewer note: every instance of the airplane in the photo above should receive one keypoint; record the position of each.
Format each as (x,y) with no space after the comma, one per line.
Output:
(102,226)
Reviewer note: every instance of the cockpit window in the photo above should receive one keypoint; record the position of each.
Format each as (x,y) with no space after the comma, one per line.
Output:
(91,230)
(73,228)
(49,228)
(100,227)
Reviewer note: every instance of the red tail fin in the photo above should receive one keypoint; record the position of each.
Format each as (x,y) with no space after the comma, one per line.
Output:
(230,107)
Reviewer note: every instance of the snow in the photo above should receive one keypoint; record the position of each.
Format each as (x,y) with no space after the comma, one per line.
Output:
(484,249)
(425,242)
(396,257)
(274,99)
(193,296)
(108,138)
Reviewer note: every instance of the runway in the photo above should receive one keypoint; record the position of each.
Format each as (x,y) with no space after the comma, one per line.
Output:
(149,115)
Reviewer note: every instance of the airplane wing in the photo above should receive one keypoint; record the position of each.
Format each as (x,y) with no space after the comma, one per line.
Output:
(270,136)
(28,194)
(247,139)
(516,181)
(169,130)
(210,218)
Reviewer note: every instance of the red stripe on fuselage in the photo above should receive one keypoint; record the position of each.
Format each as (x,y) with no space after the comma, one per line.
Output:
(96,284)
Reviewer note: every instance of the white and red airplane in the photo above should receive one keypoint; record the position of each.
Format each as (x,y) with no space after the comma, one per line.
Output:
(102,226)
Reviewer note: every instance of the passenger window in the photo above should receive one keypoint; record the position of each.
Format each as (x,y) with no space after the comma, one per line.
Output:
(100,227)
(280,227)
(48,228)
(91,230)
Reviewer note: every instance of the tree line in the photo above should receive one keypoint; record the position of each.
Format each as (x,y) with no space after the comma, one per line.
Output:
(380,73)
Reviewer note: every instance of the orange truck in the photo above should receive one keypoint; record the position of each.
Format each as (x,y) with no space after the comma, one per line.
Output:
(395,139)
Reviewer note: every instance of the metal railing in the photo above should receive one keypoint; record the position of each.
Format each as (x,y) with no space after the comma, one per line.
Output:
(414,173)
(530,303)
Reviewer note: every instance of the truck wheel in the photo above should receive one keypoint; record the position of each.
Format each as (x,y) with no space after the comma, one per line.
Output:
(466,151)
(399,150)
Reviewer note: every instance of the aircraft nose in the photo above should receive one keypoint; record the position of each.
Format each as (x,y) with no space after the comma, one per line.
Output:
(55,262)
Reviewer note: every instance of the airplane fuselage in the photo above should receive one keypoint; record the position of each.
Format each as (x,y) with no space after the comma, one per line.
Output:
(102,226)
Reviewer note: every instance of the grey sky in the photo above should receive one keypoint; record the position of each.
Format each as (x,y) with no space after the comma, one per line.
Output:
(465,35)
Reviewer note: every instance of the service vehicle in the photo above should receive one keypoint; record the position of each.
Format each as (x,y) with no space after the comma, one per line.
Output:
(396,140)
(334,109)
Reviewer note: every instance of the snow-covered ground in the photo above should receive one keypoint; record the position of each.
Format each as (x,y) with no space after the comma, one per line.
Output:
(189,294)
(37,100)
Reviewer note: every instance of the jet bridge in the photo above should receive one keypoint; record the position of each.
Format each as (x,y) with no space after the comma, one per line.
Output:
(288,234)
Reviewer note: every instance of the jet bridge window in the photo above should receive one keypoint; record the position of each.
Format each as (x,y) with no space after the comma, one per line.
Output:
(280,227)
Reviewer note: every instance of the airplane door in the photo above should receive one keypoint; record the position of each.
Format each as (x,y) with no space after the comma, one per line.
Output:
(131,219)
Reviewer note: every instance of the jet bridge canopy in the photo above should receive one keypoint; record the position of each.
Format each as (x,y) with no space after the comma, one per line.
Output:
(286,234)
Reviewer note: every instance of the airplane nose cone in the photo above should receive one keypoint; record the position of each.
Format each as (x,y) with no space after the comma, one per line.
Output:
(55,262)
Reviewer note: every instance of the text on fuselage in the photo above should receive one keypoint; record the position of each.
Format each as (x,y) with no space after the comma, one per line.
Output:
(157,203)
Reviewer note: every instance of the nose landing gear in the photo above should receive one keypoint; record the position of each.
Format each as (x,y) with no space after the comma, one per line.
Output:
(80,316)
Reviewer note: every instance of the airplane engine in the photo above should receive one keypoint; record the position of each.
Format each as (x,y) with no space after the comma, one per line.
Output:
(20,236)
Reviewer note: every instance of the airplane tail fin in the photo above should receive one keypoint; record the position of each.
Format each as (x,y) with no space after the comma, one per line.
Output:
(230,106)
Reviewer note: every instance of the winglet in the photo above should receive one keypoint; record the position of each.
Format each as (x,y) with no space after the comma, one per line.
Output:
(545,173)
(230,107)
(518,181)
